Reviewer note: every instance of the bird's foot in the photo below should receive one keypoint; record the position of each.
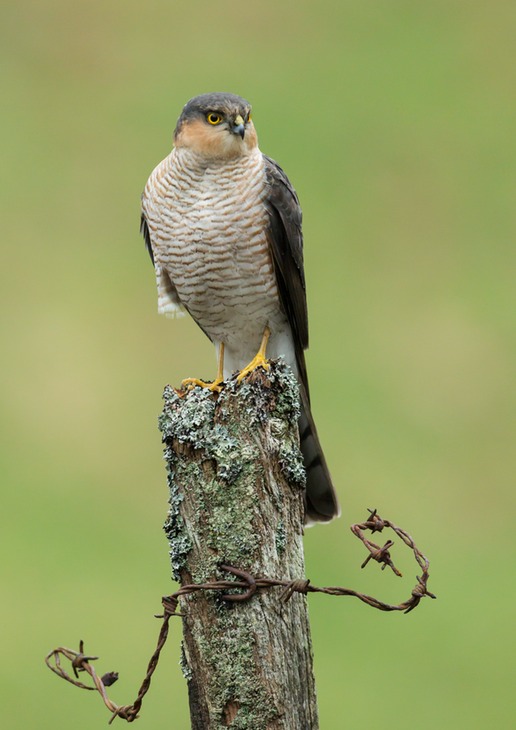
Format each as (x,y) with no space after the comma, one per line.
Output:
(215,385)
(258,361)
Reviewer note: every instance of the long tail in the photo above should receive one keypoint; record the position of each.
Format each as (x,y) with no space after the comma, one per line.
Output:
(321,500)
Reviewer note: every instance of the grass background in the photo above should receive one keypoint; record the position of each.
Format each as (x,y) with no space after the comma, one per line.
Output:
(395,121)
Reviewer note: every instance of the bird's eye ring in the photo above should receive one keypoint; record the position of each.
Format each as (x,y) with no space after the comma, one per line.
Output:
(249,117)
(213,118)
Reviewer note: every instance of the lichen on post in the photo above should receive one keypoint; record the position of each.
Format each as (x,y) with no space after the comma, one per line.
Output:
(236,480)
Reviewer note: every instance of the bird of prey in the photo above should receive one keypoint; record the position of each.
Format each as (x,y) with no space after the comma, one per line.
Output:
(222,224)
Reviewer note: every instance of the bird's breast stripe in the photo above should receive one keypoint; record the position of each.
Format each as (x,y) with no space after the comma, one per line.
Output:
(209,232)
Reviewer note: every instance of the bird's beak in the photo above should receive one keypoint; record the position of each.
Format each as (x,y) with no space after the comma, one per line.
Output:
(238,126)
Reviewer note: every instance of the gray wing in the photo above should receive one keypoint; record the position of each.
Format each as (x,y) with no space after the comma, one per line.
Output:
(286,243)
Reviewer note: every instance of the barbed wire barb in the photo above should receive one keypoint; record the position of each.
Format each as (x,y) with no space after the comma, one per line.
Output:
(250,585)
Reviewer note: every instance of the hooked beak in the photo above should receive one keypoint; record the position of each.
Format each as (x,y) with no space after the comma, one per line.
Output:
(238,126)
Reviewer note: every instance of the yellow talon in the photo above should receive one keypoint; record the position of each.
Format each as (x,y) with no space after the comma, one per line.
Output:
(216,385)
(259,360)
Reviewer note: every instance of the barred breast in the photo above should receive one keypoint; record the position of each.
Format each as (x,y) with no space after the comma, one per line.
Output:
(208,229)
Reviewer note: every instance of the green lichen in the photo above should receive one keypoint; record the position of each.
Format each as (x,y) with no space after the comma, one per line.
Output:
(220,485)
(291,464)
(187,419)
(284,382)
(175,530)
(229,493)
(231,656)
(281,537)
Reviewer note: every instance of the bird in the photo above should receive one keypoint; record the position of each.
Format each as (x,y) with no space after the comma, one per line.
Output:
(223,226)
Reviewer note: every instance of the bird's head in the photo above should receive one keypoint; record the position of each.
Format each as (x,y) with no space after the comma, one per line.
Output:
(216,126)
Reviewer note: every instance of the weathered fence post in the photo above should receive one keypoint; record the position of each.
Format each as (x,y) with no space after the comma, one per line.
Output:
(236,482)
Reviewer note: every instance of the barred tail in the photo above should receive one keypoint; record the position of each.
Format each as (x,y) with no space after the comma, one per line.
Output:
(321,500)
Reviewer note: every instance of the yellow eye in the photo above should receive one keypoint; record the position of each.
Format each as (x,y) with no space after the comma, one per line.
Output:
(214,118)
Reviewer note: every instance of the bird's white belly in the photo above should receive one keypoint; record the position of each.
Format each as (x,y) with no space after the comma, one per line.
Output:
(212,244)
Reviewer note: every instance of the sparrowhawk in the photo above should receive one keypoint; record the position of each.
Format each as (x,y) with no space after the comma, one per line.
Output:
(222,224)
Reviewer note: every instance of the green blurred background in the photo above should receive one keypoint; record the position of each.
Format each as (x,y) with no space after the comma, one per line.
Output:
(395,121)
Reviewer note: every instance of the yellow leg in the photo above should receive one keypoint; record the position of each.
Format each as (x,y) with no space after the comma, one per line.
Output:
(259,360)
(216,385)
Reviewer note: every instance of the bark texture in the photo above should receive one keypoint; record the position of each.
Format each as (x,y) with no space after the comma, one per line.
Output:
(236,481)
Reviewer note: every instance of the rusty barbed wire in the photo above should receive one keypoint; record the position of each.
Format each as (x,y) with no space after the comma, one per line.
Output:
(80,662)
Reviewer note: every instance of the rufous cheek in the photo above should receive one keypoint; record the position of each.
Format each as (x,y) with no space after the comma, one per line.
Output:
(251,138)
(214,141)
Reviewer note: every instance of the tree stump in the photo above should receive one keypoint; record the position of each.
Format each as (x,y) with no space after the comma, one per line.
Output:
(236,480)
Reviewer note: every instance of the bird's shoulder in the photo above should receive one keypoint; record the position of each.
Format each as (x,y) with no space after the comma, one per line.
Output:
(284,209)
(286,244)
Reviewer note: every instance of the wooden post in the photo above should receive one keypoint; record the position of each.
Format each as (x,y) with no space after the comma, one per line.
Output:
(236,481)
